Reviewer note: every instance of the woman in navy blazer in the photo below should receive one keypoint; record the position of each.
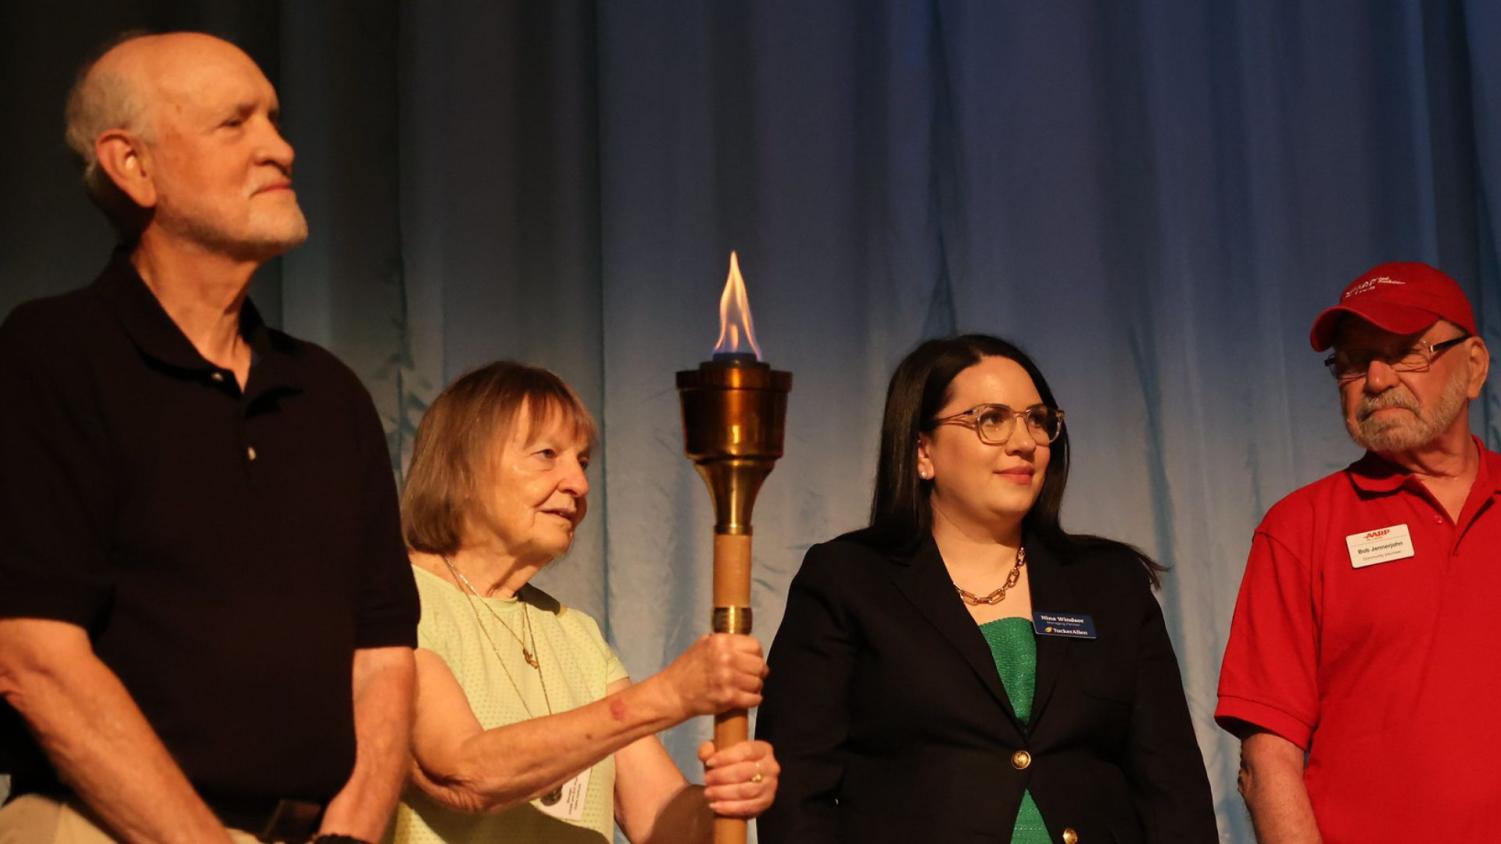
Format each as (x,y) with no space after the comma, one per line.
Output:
(964,670)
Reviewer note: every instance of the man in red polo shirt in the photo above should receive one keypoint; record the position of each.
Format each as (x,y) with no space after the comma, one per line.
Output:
(1363,653)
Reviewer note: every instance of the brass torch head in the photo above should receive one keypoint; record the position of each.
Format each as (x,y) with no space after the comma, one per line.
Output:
(734,414)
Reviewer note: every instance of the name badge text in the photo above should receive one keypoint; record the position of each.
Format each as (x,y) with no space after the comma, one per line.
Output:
(1070,625)
(1381,545)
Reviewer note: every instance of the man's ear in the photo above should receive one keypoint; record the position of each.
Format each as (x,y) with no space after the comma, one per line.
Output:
(123,158)
(1480,366)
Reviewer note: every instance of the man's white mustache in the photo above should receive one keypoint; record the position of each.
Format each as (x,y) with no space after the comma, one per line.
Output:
(1391,398)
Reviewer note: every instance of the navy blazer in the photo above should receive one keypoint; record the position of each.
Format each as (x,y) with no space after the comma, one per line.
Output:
(892,724)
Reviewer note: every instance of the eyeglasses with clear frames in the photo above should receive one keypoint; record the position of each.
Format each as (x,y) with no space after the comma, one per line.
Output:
(994,423)
(1347,366)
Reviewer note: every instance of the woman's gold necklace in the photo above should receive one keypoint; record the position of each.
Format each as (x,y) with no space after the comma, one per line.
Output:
(553,796)
(998,595)
(526,654)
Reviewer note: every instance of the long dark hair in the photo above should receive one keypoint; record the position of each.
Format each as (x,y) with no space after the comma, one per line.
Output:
(901,515)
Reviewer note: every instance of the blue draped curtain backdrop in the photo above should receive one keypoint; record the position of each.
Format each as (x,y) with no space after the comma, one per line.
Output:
(1154,198)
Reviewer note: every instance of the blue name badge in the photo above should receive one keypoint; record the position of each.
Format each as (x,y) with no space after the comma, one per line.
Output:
(1069,625)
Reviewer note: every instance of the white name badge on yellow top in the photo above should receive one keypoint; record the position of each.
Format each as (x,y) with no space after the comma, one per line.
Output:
(569,805)
(1381,545)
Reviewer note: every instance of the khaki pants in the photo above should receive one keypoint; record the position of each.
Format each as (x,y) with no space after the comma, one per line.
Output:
(34,819)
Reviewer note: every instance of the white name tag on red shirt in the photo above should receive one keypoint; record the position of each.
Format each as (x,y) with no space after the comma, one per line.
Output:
(1381,545)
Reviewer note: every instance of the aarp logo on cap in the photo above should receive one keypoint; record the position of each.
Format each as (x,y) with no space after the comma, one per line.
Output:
(1371,284)
(1381,545)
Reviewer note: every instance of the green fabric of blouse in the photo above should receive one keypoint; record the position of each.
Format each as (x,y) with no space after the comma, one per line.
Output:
(1014,649)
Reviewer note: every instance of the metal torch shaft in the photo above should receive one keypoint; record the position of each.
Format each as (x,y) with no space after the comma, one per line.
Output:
(732,614)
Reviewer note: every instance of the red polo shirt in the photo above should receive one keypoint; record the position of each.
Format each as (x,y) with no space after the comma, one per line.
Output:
(1387,673)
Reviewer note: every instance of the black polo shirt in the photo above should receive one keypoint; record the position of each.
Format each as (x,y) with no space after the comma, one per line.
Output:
(227,552)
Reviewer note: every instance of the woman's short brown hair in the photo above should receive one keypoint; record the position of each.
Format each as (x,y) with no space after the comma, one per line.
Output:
(456,441)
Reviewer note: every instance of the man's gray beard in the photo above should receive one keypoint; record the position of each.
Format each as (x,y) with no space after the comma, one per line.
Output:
(1407,432)
(260,247)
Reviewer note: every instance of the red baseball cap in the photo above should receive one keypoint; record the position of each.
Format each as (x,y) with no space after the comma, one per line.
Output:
(1403,297)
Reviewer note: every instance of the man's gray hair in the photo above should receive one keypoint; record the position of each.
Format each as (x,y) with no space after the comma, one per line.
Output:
(98,102)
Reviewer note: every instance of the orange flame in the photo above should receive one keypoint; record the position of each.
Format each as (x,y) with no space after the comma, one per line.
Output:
(735,325)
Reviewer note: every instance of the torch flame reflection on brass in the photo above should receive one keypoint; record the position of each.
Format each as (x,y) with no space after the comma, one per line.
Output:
(735,316)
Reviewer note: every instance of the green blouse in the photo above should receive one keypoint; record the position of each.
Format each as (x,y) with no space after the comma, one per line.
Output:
(1014,650)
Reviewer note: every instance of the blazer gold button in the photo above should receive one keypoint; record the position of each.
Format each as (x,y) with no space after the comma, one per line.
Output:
(1021,760)
(1069,836)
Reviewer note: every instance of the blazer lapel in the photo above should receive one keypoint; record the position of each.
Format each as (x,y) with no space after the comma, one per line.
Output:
(1051,592)
(924,581)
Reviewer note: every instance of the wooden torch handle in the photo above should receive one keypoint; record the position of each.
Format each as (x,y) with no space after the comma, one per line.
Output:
(732,585)
(732,566)
(730,728)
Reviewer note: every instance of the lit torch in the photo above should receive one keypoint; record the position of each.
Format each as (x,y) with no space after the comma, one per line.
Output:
(734,407)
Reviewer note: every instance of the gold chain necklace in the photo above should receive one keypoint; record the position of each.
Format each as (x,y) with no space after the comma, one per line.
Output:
(998,595)
(553,796)
(526,619)
(526,654)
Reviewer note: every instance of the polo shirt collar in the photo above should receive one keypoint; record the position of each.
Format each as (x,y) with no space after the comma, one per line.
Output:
(1488,479)
(273,368)
(1376,475)
(154,333)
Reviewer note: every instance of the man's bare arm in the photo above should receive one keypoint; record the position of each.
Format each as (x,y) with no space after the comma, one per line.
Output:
(96,736)
(383,682)
(1271,781)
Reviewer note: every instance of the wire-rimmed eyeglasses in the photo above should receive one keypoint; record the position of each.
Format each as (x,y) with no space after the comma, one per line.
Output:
(994,423)
(1352,365)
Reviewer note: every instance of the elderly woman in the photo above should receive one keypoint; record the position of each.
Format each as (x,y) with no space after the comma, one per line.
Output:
(964,669)
(527,728)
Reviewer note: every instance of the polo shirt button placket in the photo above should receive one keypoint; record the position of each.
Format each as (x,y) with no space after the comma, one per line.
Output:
(250,452)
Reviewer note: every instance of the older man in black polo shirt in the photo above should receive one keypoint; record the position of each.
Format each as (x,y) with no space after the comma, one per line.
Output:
(206,613)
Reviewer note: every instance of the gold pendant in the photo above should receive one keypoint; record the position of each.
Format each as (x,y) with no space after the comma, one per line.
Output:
(553,796)
(531,660)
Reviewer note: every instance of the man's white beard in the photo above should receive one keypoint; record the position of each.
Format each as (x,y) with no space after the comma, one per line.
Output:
(1406,432)
(266,239)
